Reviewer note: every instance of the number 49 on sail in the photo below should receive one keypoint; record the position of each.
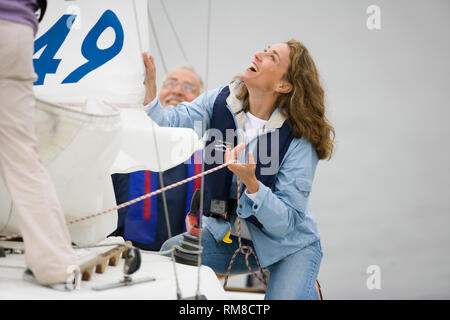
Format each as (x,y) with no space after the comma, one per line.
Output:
(53,39)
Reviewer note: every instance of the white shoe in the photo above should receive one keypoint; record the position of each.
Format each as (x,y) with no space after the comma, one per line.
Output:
(72,283)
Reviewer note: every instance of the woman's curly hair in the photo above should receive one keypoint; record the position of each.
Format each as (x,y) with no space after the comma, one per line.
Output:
(304,105)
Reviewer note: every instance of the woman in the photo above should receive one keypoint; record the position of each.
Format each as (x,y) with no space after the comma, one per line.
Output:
(276,112)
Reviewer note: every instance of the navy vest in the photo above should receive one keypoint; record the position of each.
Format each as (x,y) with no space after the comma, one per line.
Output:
(217,184)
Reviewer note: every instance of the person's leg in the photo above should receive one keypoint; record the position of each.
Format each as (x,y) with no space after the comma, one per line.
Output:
(217,257)
(294,277)
(48,250)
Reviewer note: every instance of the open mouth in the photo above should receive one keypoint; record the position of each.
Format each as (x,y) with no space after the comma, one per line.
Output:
(253,68)
(173,100)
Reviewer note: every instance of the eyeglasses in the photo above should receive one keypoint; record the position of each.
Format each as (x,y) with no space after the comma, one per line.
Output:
(185,86)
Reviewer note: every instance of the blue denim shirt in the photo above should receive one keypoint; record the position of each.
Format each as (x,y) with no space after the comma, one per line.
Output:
(289,223)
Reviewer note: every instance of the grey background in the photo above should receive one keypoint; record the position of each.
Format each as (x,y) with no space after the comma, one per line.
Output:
(383,199)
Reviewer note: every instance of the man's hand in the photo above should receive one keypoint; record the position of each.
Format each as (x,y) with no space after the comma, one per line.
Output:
(150,78)
(244,171)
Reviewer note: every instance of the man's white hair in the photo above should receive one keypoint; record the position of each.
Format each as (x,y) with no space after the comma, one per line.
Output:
(190,67)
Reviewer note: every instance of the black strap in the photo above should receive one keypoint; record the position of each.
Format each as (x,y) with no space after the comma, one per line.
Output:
(42,4)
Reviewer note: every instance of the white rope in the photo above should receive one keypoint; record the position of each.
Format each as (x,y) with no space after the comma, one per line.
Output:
(174,30)
(155,35)
(202,185)
(160,174)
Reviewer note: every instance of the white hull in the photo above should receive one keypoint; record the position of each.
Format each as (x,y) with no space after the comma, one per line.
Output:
(12,286)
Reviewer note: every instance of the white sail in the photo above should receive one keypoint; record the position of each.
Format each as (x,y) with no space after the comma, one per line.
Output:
(89,115)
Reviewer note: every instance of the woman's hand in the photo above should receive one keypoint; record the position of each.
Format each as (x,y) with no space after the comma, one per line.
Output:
(150,78)
(244,171)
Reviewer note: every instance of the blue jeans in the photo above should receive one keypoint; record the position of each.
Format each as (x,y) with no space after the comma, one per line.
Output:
(292,278)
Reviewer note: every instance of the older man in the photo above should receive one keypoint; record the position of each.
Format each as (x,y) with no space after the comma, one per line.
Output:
(144,223)
(182,84)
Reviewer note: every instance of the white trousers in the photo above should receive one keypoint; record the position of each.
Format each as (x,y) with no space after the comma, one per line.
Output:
(48,250)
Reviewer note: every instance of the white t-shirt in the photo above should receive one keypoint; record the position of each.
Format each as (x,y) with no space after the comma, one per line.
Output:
(251,127)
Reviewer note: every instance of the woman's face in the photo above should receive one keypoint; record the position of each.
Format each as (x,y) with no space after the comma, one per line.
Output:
(268,68)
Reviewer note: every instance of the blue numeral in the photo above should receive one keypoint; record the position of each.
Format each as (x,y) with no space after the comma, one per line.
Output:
(96,56)
(52,39)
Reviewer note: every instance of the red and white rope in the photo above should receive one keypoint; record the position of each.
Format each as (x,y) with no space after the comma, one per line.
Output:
(145,196)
